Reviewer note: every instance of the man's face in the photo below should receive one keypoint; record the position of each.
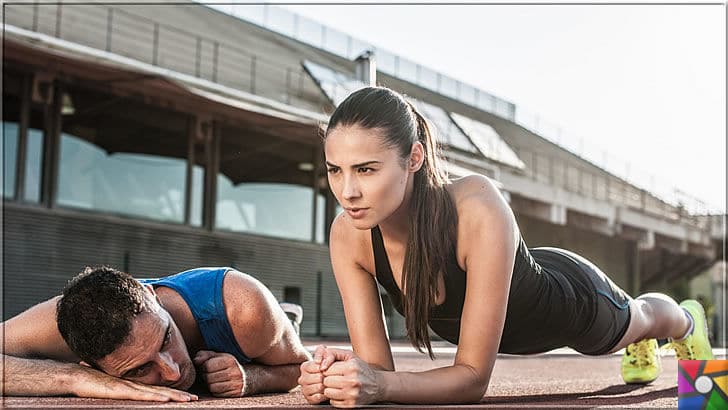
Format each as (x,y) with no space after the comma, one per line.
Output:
(154,353)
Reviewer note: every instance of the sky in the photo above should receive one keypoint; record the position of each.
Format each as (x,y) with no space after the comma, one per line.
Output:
(644,85)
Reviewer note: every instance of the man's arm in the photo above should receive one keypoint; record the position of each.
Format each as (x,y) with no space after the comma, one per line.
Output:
(36,361)
(39,377)
(226,377)
(264,333)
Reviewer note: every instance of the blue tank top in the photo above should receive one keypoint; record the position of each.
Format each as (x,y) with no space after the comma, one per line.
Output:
(201,288)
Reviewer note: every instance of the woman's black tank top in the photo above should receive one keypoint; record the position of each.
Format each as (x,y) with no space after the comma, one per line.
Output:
(542,302)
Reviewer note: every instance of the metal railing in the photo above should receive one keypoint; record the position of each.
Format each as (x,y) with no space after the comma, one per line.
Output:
(121,32)
(587,182)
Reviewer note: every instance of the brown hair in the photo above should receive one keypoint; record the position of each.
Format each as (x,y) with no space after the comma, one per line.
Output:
(432,219)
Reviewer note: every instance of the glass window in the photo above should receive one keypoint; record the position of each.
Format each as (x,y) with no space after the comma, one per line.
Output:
(146,186)
(9,155)
(33,165)
(446,131)
(487,140)
(335,84)
(120,156)
(272,209)
(265,187)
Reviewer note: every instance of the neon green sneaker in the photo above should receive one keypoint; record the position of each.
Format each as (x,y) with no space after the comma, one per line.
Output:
(641,362)
(695,346)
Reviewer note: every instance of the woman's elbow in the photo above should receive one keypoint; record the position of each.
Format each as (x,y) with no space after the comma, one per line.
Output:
(478,385)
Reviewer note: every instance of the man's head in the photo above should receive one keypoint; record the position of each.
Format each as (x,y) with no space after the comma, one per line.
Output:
(114,323)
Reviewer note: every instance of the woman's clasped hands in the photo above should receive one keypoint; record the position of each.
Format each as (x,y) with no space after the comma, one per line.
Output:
(341,377)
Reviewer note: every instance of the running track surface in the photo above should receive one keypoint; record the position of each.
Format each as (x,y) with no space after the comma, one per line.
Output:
(561,379)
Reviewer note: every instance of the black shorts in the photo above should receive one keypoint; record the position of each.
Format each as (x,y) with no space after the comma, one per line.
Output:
(600,323)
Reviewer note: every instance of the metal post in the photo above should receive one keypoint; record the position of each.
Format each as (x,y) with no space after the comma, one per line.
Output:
(58,20)
(216,137)
(35,16)
(51,148)
(191,126)
(23,137)
(551,170)
(198,55)
(288,85)
(155,47)
(212,154)
(252,75)
(609,187)
(214,61)
(319,287)
(109,28)
(300,84)
(316,171)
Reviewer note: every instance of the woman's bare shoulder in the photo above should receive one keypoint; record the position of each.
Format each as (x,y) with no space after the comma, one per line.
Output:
(472,190)
(350,243)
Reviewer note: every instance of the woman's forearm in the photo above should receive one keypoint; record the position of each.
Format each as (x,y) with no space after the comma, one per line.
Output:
(452,384)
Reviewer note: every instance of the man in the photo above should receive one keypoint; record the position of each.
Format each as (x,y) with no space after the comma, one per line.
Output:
(111,336)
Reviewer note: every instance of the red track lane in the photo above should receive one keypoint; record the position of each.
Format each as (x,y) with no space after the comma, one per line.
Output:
(545,381)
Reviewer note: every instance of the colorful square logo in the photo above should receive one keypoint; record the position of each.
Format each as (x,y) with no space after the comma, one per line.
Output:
(702,385)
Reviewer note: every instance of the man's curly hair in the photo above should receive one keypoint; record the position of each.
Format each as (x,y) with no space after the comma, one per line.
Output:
(96,311)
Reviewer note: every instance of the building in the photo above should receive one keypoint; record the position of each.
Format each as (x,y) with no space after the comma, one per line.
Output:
(155,138)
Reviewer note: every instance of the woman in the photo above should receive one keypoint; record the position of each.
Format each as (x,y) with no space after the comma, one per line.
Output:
(449,254)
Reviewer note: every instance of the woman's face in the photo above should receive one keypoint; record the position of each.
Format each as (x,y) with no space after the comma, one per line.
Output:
(369,179)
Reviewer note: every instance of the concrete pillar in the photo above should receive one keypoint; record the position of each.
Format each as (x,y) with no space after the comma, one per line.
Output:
(647,242)
(557,214)
(366,68)
(635,271)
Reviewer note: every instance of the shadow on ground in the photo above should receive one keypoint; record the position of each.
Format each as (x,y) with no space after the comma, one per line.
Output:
(617,395)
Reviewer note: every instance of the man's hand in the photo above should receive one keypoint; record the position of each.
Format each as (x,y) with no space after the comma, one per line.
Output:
(87,382)
(225,377)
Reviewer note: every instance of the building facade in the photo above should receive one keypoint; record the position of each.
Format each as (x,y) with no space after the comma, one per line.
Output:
(192,138)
